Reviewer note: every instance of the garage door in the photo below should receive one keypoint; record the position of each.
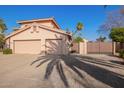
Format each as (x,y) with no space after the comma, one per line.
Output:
(53,46)
(27,46)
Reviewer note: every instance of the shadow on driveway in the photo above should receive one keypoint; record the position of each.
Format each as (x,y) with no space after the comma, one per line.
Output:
(85,64)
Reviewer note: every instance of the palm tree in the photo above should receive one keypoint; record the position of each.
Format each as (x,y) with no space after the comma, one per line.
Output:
(2,36)
(2,26)
(2,41)
(101,39)
(79,27)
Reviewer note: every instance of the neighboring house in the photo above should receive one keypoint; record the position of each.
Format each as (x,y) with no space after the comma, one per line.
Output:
(37,37)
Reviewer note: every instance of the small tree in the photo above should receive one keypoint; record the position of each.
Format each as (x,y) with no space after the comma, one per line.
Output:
(117,35)
(78,39)
(101,39)
(115,19)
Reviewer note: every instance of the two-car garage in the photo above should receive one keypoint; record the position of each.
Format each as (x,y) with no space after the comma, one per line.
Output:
(52,46)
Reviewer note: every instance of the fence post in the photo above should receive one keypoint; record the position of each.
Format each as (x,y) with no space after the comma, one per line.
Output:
(113,47)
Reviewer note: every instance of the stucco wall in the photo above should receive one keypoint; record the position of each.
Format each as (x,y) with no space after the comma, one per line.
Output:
(80,48)
(83,47)
(100,47)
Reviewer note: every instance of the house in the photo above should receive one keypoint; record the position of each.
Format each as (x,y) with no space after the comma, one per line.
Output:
(38,36)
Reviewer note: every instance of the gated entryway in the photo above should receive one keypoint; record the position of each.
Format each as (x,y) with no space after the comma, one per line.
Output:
(99,48)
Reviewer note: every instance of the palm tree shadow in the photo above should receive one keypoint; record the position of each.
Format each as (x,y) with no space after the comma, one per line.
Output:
(75,62)
(102,62)
(53,60)
(105,76)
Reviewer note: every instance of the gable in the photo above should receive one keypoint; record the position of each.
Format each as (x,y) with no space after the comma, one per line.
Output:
(50,22)
(34,31)
(40,33)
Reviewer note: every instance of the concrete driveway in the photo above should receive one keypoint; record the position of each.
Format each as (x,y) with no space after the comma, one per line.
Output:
(60,71)
(16,71)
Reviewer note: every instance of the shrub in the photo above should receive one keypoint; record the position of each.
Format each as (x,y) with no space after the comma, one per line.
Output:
(121,53)
(7,51)
(78,39)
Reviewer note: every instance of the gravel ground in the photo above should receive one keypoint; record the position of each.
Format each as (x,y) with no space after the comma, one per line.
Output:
(34,71)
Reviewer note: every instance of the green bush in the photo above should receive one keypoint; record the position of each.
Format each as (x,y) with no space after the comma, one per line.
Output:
(7,51)
(121,53)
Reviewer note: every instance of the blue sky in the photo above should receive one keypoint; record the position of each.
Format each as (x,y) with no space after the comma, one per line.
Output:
(66,16)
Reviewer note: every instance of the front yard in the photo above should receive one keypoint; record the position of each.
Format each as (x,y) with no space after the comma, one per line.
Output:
(60,71)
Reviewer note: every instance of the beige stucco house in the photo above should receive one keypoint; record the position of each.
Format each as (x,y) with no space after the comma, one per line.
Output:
(37,37)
